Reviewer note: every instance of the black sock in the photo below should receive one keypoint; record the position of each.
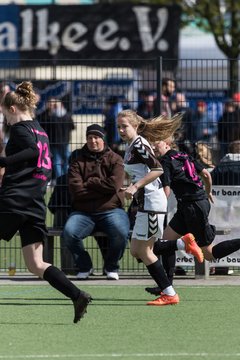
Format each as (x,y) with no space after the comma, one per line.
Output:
(225,248)
(59,281)
(158,274)
(164,246)
(168,261)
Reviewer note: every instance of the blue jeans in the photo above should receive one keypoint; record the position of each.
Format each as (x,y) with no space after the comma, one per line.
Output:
(60,159)
(114,223)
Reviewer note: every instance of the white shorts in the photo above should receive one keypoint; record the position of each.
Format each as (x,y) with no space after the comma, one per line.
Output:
(148,225)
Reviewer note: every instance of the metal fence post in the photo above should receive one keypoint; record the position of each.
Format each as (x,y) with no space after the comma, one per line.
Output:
(159,86)
(201,270)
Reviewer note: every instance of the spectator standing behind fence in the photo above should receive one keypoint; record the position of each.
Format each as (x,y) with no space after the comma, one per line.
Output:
(112,107)
(59,203)
(184,135)
(4,89)
(146,106)
(4,129)
(227,172)
(58,124)
(22,206)
(168,88)
(203,127)
(144,170)
(236,101)
(228,126)
(95,180)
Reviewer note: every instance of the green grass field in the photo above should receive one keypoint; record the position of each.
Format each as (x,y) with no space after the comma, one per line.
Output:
(36,323)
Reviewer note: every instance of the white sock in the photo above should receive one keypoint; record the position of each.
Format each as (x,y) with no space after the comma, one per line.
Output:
(169,291)
(180,244)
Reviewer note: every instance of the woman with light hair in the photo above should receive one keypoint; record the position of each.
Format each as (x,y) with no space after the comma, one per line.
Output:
(146,187)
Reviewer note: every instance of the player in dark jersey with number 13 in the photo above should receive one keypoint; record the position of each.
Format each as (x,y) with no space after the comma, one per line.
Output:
(22,206)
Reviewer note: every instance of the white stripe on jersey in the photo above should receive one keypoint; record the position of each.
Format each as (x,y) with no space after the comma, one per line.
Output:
(139,160)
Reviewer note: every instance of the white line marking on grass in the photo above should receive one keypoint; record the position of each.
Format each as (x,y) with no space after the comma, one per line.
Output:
(136,355)
(176,286)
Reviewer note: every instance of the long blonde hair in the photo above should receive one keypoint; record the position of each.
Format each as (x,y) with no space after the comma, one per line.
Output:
(156,129)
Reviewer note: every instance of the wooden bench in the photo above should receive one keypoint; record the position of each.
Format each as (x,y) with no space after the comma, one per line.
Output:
(201,270)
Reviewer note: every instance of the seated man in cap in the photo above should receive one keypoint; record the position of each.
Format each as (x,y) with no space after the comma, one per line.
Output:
(95,179)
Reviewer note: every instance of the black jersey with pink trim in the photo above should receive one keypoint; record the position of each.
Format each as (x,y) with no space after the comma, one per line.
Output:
(27,170)
(181,173)
(139,160)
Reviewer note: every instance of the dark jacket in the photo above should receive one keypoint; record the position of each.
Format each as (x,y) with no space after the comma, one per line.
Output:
(58,128)
(59,203)
(95,180)
(227,172)
(228,127)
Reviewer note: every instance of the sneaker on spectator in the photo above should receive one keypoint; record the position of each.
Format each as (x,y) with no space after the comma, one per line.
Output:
(111,275)
(84,275)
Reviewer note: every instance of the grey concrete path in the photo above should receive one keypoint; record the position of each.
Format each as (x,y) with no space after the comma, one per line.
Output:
(27,279)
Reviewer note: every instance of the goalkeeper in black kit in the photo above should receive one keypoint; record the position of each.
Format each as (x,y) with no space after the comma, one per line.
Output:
(22,206)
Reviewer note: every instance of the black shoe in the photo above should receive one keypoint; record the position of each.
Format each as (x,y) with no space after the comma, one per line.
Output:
(80,306)
(153,290)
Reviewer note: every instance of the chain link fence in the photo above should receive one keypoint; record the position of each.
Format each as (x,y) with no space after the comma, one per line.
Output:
(88,88)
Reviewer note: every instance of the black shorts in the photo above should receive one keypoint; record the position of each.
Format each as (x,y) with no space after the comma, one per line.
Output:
(193,217)
(31,229)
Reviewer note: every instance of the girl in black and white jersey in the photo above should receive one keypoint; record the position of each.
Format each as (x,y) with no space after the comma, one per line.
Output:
(144,169)
(22,207)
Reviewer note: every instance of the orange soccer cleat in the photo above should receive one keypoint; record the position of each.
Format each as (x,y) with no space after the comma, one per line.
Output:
(192,247)
(165,300)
